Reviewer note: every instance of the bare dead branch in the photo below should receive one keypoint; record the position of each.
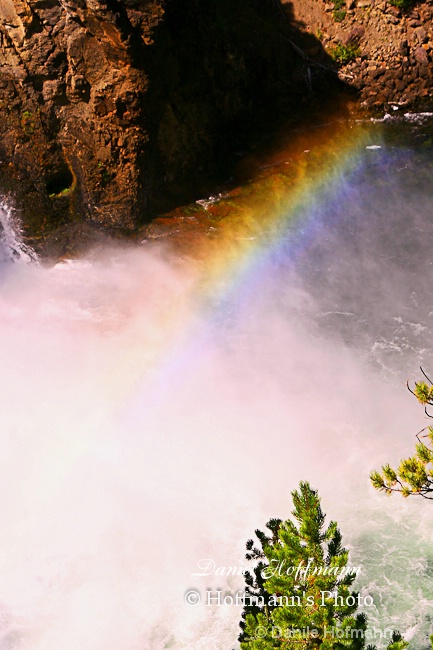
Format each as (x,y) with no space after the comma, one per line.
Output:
(428,379)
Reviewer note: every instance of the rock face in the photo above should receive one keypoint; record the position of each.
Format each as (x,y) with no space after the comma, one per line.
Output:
(113,111)
(70,100)
(393,65)
(109,109)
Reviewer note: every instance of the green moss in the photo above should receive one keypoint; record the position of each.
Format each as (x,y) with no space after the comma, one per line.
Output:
(64,192)
(106,175)
(27,123)
(404,5)
(339,12)
(344,53)
(339,15)
(192,210)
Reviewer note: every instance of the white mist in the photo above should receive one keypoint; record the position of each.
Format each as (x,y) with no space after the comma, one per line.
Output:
(139,438)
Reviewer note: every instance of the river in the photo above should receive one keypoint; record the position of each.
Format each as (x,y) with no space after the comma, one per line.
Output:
(161,400)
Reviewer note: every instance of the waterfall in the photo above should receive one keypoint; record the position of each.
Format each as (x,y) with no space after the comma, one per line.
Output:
(147,428)
(12,246)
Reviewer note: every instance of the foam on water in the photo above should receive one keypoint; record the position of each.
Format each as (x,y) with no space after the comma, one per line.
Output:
(12,247)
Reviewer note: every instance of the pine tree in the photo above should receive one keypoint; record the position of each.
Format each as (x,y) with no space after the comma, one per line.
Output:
(298,595)
(414,475)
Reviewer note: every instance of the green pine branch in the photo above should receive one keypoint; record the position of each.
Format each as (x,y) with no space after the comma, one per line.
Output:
(414,475)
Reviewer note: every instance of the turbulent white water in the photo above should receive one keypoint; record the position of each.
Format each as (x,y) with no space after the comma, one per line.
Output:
(132,448)
(12,247)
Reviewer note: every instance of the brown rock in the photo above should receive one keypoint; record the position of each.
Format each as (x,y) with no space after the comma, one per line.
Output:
(358,83)
(388,76)
(403,46)
(393,11)
(421,56)
(53,90)
(378,72)
(355,35)
(421,34)
(380,100)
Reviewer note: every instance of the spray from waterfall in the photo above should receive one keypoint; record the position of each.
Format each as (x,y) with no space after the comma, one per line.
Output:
(12,246)
(156,411)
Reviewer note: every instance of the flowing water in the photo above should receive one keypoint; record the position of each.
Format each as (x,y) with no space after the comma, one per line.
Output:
(158,407)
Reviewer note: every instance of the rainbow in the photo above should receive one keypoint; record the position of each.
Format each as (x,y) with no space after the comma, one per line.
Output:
(267,220)
(281,202)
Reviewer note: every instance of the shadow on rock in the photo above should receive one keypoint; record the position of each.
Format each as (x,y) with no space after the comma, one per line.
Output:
(113,113)
(225,75)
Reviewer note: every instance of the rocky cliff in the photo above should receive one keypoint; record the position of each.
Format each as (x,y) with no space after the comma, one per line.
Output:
(112,110)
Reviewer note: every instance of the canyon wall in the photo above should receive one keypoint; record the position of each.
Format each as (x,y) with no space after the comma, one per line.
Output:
(114,111)
(111,111)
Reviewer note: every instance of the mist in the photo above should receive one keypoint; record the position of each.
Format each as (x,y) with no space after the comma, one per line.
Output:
(142,433)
